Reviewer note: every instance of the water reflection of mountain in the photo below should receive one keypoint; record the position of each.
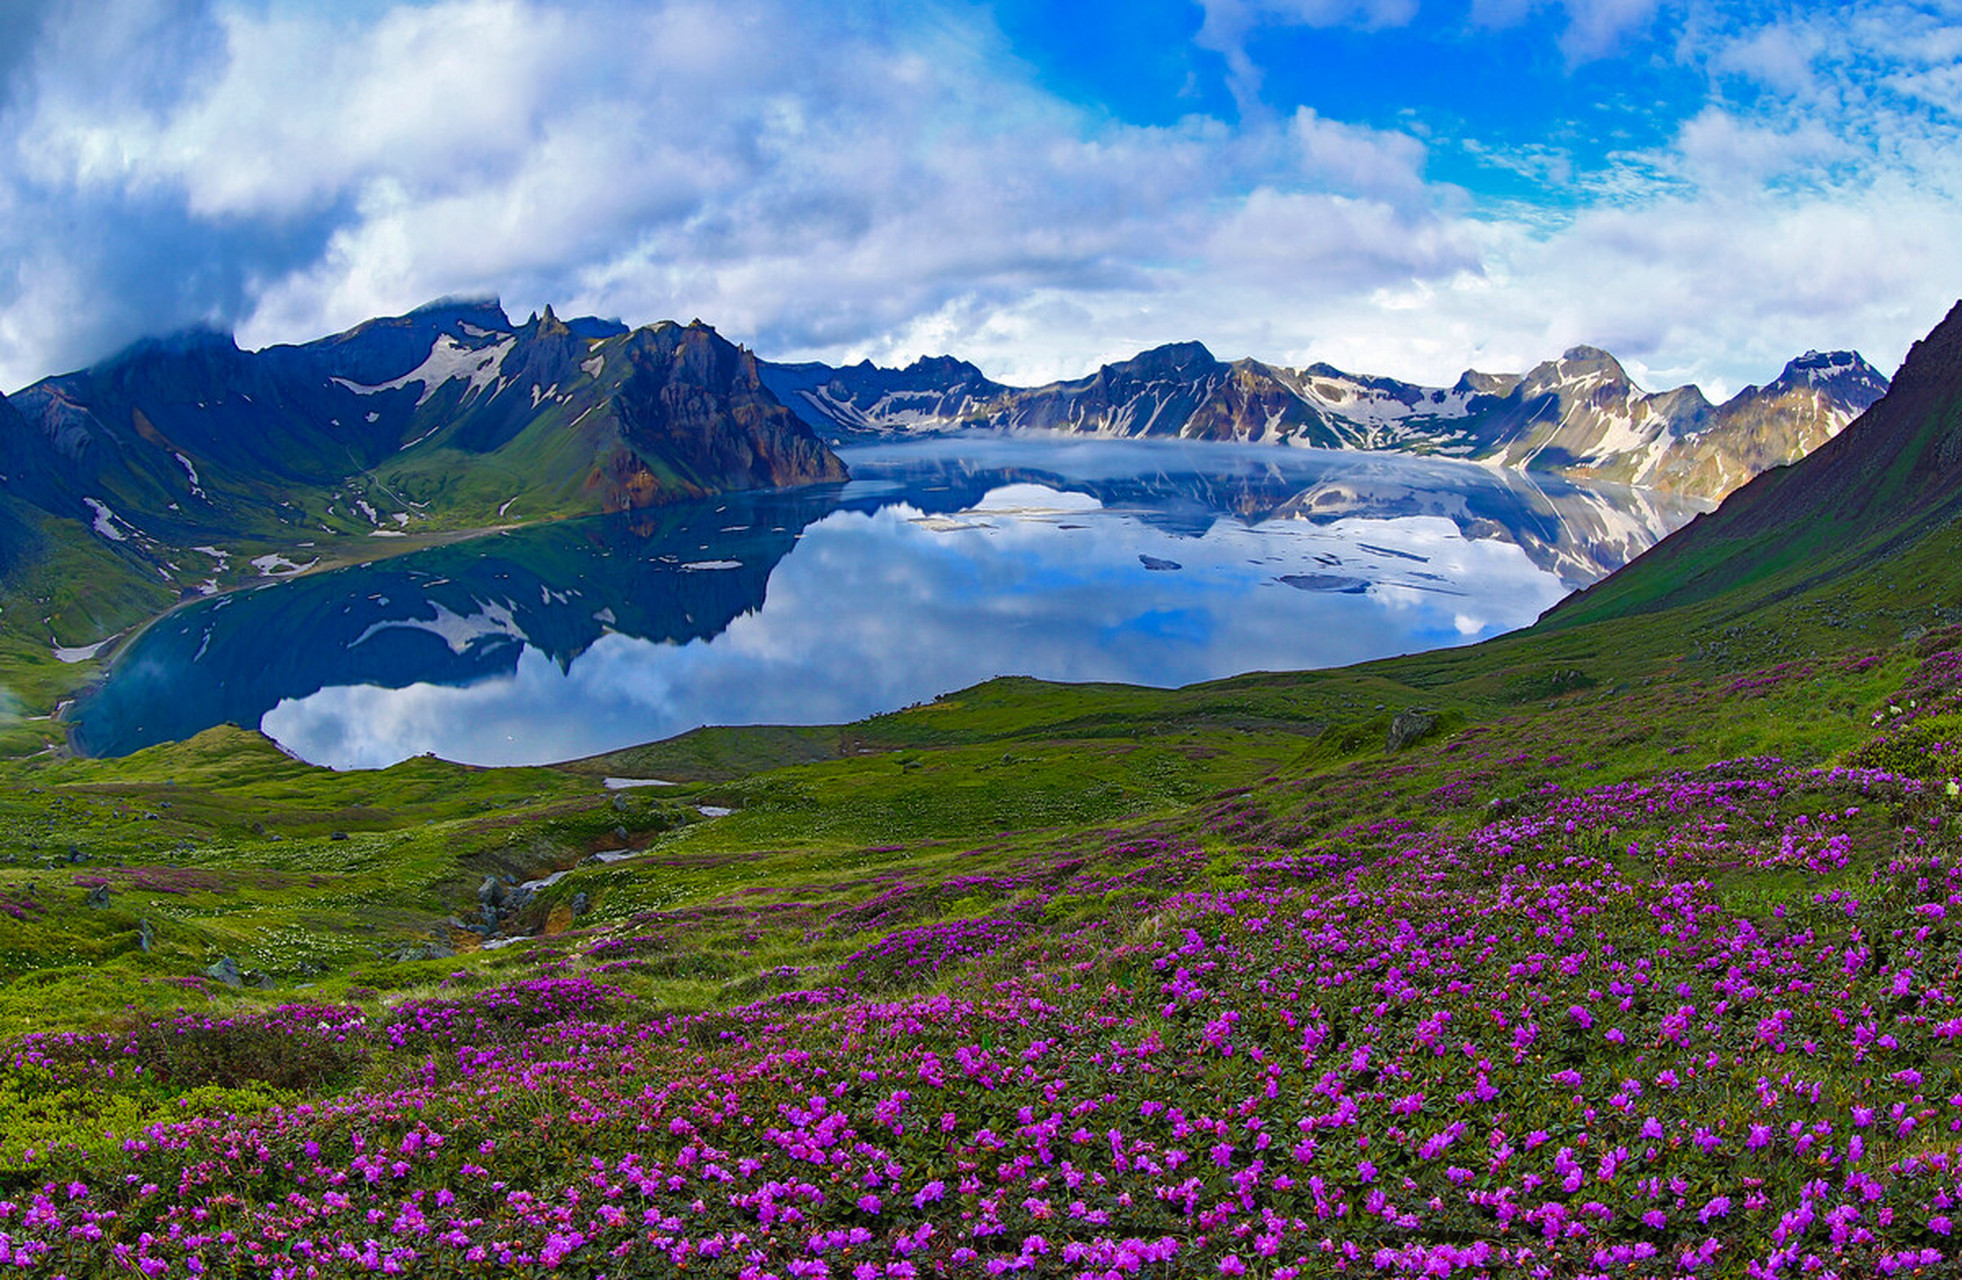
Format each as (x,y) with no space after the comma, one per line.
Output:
(462,614)
(452,615)
(1579,535)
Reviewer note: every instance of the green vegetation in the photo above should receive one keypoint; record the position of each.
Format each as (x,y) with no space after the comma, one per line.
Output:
(1620,946)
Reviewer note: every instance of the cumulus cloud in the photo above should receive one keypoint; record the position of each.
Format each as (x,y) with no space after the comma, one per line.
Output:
(1594,28)
(856,181)
(1229,23)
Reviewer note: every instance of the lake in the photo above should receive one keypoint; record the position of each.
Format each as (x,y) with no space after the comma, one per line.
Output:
(941,564)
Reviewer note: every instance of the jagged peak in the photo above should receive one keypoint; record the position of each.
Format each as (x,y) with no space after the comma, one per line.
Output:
(549,325)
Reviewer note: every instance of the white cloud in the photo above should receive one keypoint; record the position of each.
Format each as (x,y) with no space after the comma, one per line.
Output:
(831,183)
(1596,27)
(1228,24)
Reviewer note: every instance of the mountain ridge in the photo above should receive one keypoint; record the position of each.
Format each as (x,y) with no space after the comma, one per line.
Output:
(1886,482)
(1580,415)
(189,464)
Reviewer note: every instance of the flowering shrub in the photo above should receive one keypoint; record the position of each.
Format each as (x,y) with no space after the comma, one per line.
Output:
(292,1047)
(1703,1023)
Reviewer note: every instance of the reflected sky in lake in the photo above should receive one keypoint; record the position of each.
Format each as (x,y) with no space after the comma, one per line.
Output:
(941,565)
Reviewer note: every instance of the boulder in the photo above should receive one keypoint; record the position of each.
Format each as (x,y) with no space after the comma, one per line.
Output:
(1410,727)
(226,971)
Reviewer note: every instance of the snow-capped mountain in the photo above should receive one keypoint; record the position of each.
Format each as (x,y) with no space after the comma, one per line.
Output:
(452,409)
(1579,415)
(185,465)
(863,398)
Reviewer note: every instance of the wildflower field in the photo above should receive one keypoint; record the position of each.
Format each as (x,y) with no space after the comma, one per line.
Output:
(1635,965)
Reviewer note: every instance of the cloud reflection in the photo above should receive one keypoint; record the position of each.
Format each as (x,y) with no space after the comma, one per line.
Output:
(875,610)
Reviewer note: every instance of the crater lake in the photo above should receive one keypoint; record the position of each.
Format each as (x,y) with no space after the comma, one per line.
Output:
(940,564)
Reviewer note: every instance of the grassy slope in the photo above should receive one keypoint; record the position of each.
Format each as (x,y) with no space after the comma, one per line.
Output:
(1014,801)
(1008,767)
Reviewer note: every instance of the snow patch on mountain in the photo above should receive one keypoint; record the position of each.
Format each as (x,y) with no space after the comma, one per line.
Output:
(447,359)
(107,520)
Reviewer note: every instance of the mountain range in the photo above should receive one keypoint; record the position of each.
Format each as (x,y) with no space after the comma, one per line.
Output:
(185,465)
(1888,486)
(1580,415)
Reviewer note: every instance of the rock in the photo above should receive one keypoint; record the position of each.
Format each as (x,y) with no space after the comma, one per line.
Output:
(262,981)
(620,834)
(99,896)
(491,892)
(581,904)
(146,936)
(226,971)
(619,803)
(338,835)
(1410,727)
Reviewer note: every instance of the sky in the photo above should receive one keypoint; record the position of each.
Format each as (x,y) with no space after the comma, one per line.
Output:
(1403,187)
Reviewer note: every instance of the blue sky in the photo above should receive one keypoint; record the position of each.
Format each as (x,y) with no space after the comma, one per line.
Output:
(1409,187)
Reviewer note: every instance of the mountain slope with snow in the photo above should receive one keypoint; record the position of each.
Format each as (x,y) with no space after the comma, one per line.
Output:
(1580,415)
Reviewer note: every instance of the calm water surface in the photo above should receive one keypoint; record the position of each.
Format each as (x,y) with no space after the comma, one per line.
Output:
(942,563)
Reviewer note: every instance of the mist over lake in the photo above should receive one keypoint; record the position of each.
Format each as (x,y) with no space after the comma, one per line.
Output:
(940,564)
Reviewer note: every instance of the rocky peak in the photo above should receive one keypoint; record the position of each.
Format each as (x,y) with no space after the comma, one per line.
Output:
(1845,373)
(1174,359)
(1487,384)
(943,369)
(549,325)
(1580,370)
(1684,407)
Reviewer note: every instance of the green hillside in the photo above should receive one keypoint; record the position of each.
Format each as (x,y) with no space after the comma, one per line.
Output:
(1619,946)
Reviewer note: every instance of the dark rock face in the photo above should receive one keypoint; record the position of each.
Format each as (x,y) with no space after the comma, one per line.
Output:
(695,404)
(188,434)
